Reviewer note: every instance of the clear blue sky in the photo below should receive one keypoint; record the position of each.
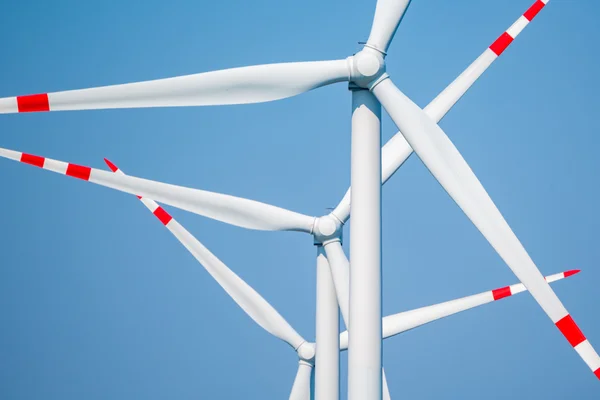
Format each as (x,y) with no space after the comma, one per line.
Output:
(98,301)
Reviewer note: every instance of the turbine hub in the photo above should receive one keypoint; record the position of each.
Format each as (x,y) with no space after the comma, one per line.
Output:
(327,228)
(306,351)
(367,66)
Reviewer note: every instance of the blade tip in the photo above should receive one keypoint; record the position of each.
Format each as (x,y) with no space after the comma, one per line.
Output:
(571,272)
(112,166)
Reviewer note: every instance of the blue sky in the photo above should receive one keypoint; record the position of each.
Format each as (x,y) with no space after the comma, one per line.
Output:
(98,301)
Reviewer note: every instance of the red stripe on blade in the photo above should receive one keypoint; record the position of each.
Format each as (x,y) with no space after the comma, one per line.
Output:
(33,103)
(78,171)
(33,160)
(569,328)
(501,293)
(163,216)
(534,10)
(571,272)
(501,43)
(597,373)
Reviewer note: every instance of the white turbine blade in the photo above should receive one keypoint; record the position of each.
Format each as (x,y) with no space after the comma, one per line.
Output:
(244,85)
(448,166)
(438,108)
(385,387)
(397,150)
(340,271)
(388,15)
(243,294)
(405,321)
(229,209)
(302,388)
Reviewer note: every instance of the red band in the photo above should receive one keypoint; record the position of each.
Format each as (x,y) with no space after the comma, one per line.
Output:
(163,216)
(534,10)
(78,171)
(33,160)
(501,293)
(597,373)
(501,43)
(569,328)
(33,103)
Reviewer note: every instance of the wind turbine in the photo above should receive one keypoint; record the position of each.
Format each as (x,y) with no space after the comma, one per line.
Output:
(371,86)
(267,317)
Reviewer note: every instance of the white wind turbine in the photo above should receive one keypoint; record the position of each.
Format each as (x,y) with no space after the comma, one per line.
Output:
(270,320)
(370,85)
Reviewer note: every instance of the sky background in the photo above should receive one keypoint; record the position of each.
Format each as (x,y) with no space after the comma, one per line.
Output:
(98,300)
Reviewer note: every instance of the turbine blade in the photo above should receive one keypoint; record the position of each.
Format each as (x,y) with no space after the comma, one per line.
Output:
(255,84)
(397,150)
(385,387)
(440,106)
(448,166)
(407,320)
(243,294)
(340,271)
(302,388)
(388,14)
(229,209)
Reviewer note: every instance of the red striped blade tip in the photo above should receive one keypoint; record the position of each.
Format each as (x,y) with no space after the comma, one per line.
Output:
(571,272)
(112,166)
